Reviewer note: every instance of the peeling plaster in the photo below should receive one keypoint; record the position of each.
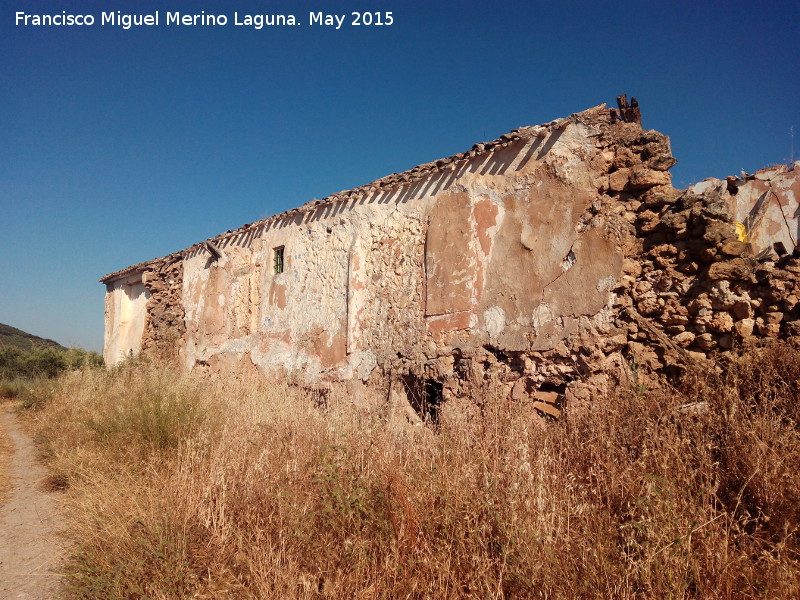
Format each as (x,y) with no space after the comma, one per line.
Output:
(518,248)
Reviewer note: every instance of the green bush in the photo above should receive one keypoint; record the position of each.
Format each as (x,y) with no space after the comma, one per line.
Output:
(16,363)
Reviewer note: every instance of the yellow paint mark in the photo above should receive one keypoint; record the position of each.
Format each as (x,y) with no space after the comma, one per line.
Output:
(741,231)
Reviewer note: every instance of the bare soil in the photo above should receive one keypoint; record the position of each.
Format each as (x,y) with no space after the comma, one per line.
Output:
(6,451)
(30,549)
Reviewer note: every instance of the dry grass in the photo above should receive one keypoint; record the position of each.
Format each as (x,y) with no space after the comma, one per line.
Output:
(188,488)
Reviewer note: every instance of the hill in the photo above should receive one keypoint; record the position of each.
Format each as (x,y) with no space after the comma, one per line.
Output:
(16,338)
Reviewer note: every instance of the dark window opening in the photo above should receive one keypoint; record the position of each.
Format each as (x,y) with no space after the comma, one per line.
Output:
(278,259)
(425,396)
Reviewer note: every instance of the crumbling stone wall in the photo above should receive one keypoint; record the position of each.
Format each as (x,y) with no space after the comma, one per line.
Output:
(553,261)
(700,285)
(164,325)
(691,286)
(494,246)
(576,341)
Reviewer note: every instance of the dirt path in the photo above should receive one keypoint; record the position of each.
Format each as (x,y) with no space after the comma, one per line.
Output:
(29,548)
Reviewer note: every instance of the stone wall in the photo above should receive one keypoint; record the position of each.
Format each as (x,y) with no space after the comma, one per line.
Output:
(497,246)
(554,261)
(691,290)
(701,284)
(165,328)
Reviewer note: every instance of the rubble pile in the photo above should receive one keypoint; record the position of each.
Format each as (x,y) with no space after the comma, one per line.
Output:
(697,281)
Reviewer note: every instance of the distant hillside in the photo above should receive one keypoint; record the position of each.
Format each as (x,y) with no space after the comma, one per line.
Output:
(16,338)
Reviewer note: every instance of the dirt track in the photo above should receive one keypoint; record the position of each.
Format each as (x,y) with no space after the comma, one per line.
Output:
(29,546)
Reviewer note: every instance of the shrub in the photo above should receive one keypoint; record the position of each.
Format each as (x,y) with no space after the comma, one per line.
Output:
(10,389)
(30,364)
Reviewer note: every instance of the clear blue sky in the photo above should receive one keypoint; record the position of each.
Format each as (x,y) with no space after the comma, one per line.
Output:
(119,146)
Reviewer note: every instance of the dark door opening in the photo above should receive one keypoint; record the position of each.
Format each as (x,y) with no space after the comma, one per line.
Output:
(424,396)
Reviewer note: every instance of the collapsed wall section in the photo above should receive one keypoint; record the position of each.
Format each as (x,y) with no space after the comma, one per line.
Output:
(707,278)
(694,287)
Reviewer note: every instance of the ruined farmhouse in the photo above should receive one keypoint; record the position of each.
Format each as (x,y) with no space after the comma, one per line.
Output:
(549,260)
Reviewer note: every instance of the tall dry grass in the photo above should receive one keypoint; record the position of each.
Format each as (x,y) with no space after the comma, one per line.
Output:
(181,487)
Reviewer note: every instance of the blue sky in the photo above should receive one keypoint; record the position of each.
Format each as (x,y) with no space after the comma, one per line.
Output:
(122,145)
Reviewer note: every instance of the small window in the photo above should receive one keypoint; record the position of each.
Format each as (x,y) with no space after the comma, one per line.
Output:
(278,259)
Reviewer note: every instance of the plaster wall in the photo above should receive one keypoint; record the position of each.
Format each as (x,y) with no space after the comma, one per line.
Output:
(126,301)
(497,250)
